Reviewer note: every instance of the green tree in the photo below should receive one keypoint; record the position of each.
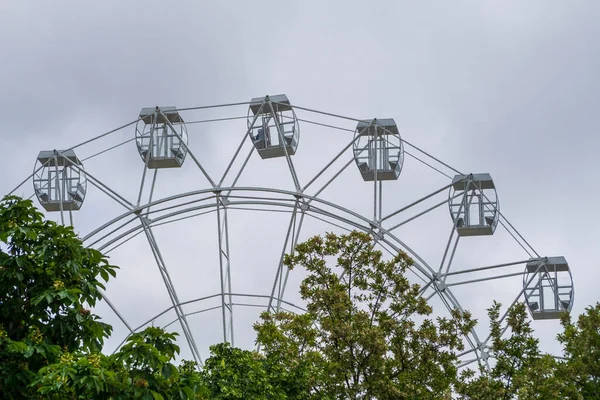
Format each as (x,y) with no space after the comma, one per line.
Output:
(519,370)
(48,282)
(77,376)
(358,338)
(50,342)
(231,373)
(142,369)
(581,347)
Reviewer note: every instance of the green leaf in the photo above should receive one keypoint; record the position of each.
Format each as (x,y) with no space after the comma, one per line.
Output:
(156,395)
(167,370)
(188,392)
(18,347)
(29,352)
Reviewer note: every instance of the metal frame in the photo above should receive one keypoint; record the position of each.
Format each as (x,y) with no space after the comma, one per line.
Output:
(554,283)
(225,269)
(142,216)
(384,149)
(52,185)
(276,108)
(322,208)
(171,149)
(470,188)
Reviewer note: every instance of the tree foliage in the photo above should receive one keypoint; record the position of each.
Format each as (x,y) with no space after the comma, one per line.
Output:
(141,369)
(518,368)
(231,373)
(359,338)
(581,346)
(521,371)
(50,341)
(48,282)
(367,333)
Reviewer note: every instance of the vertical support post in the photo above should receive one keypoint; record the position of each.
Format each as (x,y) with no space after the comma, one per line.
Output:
(541,289)
(481,209)
(556,297)
(226,222)
(226,293)
(58,188)
(224,305)
(375,168)
(466,204)
(380,201)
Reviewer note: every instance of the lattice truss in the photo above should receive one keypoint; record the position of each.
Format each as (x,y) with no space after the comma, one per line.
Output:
(200,222)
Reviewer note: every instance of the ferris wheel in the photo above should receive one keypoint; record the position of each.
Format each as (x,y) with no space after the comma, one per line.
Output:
(200,219)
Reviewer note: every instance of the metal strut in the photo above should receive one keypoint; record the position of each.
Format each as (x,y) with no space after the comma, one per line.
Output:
(225,270)
(171,290)
(279,276)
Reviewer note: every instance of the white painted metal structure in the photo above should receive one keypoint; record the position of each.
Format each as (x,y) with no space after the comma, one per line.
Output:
(378,150)
(548,287)
(273,126)
(218,196)
(59,181)
(474,205)
(161,137)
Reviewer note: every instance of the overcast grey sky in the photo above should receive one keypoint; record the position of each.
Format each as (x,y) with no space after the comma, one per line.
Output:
(509,88)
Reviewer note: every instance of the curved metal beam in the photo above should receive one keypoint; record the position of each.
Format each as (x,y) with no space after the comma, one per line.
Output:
(395,243)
